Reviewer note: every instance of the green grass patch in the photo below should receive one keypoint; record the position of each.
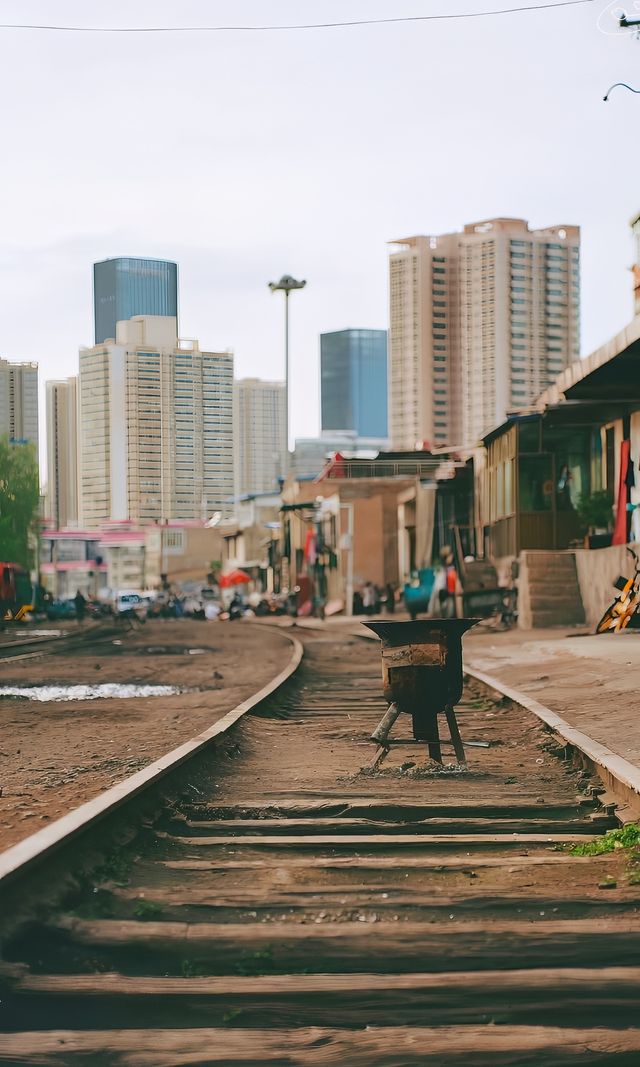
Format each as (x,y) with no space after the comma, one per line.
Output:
(625,837)
(146,910)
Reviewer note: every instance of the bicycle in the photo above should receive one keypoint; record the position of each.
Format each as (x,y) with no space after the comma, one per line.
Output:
(619,614)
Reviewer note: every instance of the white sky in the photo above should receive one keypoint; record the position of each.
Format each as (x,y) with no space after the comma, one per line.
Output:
(246,156)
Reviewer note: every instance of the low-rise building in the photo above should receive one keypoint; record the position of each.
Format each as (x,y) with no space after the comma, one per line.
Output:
(121,555)
(373,519)
(564,475)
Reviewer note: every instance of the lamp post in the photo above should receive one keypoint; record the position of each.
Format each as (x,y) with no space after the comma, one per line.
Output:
(285,285)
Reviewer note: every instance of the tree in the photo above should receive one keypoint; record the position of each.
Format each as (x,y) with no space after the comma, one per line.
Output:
(19,502)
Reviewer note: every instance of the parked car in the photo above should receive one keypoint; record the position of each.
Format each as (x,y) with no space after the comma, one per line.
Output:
(61,609)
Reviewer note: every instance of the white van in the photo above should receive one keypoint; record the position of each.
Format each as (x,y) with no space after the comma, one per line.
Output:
(127,600)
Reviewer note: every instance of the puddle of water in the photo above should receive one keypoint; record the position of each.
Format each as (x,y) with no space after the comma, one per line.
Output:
(172,650)
(57,693)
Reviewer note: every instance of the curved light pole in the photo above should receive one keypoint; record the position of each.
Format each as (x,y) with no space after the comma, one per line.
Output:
(285,285)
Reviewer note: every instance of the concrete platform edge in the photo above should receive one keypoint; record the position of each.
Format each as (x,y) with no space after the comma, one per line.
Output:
(617,769)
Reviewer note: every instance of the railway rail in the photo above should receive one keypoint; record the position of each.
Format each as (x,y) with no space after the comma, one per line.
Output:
(17,645)
(275,901)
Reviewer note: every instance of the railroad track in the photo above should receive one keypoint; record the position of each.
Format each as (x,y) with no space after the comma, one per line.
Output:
(18,646)
(284,905)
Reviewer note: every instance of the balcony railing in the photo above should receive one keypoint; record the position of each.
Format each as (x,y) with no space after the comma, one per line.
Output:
(374,468)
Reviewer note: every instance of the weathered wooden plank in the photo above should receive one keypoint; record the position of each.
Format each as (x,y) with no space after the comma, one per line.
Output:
(562,996)
(349,946)
(484,1046)
(380,863)
(539,979)
(235,827)
(351,841)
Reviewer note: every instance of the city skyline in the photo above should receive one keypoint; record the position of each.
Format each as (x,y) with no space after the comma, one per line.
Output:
(541,77)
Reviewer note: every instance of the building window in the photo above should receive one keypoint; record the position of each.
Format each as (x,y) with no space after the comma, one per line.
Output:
(174,540)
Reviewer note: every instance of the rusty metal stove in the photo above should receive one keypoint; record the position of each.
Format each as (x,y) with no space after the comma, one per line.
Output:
(422,676)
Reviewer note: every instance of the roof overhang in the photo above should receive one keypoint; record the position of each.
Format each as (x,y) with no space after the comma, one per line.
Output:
(611,373)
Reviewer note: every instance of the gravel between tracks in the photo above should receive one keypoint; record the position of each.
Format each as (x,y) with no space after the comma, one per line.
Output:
(55,756)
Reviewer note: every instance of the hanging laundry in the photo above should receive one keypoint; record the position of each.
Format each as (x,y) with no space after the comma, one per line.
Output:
(310,546)
(630,479)
(620,536)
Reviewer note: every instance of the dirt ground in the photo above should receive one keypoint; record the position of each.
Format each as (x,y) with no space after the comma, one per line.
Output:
(56,755)
(591,681)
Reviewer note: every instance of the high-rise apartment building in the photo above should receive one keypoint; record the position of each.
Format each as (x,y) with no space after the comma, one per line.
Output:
(155,427)
(260,422)
(19,401)
(481,322)
(62,453)
(126,287)
(353,381)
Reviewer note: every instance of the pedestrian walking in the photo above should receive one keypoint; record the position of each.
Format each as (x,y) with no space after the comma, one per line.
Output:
(81,606)
(369,599)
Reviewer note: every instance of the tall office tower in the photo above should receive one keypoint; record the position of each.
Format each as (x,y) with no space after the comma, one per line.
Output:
(19,401)
(62,452)
(481,322)
(126,287)
(155,427)
(353,381)
(260,425)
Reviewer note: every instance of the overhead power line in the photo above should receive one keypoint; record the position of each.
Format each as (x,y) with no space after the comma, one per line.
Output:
(294,26)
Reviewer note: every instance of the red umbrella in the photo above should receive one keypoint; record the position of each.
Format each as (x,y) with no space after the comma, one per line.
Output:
(234,578)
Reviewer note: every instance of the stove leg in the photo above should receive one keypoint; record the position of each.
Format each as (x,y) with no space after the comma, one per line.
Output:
(425,728)
(382,730)
(458,747)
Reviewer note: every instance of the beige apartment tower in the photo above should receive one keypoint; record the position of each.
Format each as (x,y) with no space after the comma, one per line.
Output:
(19,401)
(62,453)
(260,424)
(155,427)
(481,322)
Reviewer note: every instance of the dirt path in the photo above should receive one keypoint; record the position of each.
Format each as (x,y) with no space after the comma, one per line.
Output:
(56,755)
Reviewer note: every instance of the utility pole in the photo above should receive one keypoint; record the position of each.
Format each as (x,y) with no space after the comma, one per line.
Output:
(285,285)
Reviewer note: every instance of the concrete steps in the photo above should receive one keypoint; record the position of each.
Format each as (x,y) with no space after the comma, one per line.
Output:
(549,588)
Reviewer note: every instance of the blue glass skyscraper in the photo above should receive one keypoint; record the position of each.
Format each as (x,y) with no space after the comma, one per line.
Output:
(353,381)
(125,287)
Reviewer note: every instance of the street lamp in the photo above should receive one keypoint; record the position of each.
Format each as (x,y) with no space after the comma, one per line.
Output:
(285,285)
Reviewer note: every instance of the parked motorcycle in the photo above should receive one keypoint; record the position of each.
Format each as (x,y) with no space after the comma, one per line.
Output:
(625,606)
